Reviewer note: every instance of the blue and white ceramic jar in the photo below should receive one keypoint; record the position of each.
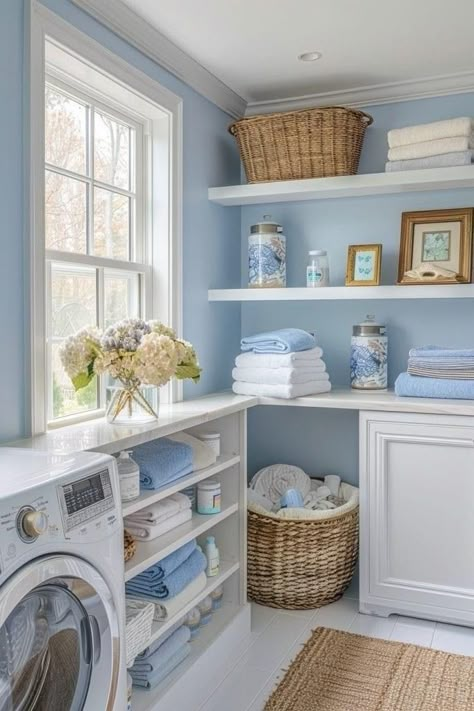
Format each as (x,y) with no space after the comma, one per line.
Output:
(267,255)
(369,348)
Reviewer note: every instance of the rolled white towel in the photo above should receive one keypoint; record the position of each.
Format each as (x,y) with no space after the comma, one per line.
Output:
(274,481)
(301,359)
(431,148)
(333,482)
(462,126)
(279,376)
(284,392)
(253,497)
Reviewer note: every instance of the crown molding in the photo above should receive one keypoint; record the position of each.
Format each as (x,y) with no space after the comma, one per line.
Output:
(128,25)
(443,85)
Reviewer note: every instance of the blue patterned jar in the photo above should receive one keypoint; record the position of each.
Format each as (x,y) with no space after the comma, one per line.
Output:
(267,255)
(369,356)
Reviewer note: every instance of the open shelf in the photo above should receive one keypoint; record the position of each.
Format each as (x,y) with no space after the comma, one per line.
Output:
(345,186)
(149,552)
(146,700)
(338,293)
(225,461)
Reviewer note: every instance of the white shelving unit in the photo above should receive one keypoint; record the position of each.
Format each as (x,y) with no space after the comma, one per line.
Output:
(338,293)
(345,186)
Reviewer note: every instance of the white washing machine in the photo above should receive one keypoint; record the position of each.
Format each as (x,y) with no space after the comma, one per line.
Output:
(61,583)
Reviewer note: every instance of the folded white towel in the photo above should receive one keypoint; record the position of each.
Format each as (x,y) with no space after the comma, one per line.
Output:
(143,531)
(279,376)
(445,160)
(462,126)
(285,392)
(161,510)
(432,148)
(302,359)
(203,455)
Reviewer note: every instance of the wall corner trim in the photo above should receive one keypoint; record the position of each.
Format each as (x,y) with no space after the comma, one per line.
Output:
(128,25)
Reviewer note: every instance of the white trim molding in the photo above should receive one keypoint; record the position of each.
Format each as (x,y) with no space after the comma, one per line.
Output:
(392,93)
(131,27)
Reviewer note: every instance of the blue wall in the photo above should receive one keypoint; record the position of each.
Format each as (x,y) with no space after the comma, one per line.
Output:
(211,233)
(333,225)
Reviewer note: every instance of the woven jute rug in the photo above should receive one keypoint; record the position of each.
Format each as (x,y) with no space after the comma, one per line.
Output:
(339,671)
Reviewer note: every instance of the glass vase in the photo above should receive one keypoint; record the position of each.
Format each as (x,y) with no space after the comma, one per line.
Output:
(132,405)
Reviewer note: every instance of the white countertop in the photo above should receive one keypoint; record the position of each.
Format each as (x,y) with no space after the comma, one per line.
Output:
(100,436)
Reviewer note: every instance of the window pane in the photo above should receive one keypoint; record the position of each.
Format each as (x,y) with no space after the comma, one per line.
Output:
(121,292)
(73,306)
(111,224)
(65,213)
(111,151)
(66,131)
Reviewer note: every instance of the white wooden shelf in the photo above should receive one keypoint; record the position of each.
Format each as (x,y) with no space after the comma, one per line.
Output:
(147,700)
(345,186)
(338,293)
(225,461)
(150,552)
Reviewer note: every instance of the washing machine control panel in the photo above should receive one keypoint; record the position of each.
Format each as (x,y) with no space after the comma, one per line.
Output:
(86,499)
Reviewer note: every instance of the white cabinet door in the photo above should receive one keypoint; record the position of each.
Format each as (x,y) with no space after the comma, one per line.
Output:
(417,515)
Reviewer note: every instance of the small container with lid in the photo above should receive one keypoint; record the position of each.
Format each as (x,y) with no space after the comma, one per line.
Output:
(267,254)
(129,477)
(317,271)
(209,497)
(212,439)
(369,348)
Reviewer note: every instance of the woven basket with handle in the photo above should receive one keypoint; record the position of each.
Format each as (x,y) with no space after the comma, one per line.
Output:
(312,143)
(301,564)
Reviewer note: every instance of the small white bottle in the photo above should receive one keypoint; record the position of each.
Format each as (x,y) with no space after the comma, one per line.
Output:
(212,555)
(317,271)
(129,476)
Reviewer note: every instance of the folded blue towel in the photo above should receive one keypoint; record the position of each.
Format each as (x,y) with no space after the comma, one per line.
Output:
(163,653)
(173,583)
(287,340)
(413,386)
(155,678)
(162,461)
(167,565)
(158,642)
(440,352)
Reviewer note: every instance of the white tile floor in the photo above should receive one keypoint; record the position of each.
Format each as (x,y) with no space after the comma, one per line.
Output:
(277,637)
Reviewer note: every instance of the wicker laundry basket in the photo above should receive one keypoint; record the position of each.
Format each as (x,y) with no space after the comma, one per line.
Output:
(312,143)
(301,564)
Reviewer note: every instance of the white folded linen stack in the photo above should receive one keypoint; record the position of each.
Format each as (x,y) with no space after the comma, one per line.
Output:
(281,375)
(431,145)
(159,518)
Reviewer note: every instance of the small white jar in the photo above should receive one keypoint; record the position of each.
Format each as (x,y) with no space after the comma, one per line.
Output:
(213,440)
(317,270)
(129,477)
(209,497)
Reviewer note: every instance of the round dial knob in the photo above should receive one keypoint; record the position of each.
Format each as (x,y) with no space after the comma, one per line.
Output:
(32,524)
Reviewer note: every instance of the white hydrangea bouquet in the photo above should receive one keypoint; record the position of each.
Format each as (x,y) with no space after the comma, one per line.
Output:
(135,353)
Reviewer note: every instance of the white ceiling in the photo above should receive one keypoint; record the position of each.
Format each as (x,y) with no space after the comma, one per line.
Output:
(252,45)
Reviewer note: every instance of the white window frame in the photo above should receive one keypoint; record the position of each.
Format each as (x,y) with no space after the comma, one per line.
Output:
(164,238)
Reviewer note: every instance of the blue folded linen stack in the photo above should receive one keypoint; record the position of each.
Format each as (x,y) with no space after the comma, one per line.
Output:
(151,669)
(438,372)
(163,461)
(286,340)
(180,572)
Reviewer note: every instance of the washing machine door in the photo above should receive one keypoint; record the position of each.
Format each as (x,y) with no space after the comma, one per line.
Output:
(59,638)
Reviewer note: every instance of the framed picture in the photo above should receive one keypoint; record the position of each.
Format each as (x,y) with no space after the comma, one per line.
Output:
(363,265)
(436,247)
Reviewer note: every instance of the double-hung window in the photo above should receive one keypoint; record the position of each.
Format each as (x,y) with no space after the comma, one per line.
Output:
(95,230)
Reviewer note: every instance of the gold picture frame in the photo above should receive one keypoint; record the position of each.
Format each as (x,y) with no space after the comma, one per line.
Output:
(364,263)
(440,239)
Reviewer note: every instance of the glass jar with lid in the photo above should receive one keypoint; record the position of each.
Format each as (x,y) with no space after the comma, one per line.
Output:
(369,355)
(267,254)
(317,270)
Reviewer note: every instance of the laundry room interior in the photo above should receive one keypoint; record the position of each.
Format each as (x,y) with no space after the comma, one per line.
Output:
(237,407)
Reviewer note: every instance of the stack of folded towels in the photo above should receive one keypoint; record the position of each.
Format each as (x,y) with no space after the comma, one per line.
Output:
(282,364)
(434,371)
(431,145)
(159,518)
(165,460)
(158,660)
(172,582)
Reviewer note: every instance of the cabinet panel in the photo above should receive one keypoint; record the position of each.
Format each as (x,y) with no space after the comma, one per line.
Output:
(417,515)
